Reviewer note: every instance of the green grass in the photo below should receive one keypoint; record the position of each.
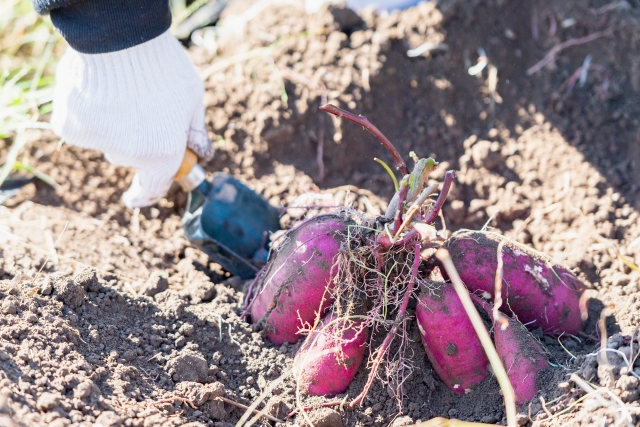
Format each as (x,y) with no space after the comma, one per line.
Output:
(29,48)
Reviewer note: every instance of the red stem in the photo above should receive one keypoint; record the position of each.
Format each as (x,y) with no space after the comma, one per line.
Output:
(320,150)
(446,185)
(382,350)
(407,238)
(365,123)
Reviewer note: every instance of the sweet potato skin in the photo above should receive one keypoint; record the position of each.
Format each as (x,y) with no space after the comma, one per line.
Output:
(298,281)
(540,293)
(449,339)
(523,358)
(329,358)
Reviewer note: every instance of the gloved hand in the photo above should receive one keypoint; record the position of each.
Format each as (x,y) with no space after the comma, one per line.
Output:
(141,106)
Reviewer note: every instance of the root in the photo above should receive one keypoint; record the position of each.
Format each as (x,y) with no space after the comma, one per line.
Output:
(340,403)
(267,391)
(249,297)
(377,280)
(335,335)
(374,275)
(400,319)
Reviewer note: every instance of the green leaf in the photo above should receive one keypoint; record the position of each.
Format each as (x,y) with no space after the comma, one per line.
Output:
(37,173)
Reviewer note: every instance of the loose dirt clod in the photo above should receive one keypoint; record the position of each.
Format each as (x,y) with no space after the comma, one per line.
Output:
(188,366)
(69,292)
(155,284)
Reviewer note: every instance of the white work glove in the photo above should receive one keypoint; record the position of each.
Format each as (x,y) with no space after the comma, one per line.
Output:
(141,106)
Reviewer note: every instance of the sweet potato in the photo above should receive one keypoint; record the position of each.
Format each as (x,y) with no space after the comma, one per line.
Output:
(451,343)
(298,280)
(540,293)
(330,356)
(523,357)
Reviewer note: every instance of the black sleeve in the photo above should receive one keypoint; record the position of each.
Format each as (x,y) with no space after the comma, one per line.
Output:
(100,26)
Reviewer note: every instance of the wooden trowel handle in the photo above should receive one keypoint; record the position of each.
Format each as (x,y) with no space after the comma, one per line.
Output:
(188,162)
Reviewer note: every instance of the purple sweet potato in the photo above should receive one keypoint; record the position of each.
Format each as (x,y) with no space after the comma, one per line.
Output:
(298,281)
(541,294)
(330,356)
(523,357)
(451,343)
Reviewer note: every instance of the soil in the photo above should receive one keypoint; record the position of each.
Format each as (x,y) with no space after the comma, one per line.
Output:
(110,318)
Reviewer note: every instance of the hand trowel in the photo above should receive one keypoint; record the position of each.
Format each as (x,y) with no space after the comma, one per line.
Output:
(226,219)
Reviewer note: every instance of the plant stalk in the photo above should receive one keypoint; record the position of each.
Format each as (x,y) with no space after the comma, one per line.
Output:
(498,369)
(402,197)
(365,123)
(446,186)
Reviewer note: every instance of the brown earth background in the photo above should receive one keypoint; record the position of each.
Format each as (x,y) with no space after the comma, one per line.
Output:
(123,316)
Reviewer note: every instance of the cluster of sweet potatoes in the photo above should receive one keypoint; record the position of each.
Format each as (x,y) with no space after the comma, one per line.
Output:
(339,280)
